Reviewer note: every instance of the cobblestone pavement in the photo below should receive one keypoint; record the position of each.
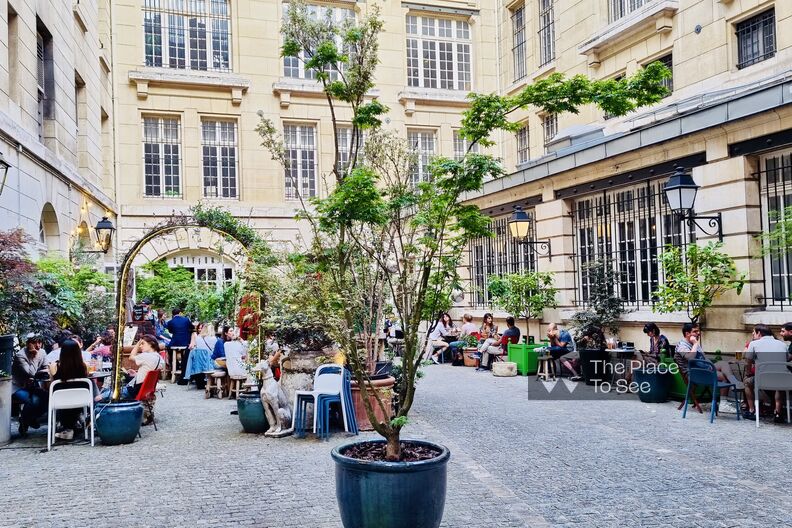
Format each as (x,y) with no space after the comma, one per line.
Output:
(514,462)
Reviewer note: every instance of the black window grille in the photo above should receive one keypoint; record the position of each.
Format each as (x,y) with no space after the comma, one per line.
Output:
(498,255)
(518,42)
(621,8)
(628,229)
(756,39)
(546,32)
(550,128)
(668,62)
(775,180)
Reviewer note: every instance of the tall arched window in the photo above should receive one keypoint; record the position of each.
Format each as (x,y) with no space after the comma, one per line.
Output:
(187,34)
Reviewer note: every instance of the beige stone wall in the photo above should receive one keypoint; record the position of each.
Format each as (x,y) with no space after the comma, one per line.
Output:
(57,179)
(256,63)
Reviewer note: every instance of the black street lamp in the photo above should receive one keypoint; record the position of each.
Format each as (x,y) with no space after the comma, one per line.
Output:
(4,166)
(680,191)
(520,225)
(104,233)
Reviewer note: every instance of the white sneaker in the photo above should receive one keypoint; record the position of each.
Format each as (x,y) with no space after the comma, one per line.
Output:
(727,407)
(66,434)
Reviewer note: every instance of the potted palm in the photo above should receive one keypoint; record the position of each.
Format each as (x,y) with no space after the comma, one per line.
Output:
(396,224)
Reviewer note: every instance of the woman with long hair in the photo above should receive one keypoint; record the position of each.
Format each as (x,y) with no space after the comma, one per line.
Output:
(200,360)
(488,332)
(70,366)
(436,345)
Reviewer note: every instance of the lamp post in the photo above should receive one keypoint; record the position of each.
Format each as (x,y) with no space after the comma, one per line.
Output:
(104,236)
(680,191)
(520,225)
(4,166)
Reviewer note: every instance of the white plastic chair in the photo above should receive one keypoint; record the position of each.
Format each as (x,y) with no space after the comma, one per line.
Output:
(330,384)
(772,375)
(73,398)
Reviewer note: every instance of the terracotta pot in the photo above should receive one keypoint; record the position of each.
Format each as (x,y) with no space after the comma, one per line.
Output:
(385,388)
(467,354)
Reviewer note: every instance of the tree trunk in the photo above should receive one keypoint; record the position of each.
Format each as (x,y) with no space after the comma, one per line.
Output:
(393,448)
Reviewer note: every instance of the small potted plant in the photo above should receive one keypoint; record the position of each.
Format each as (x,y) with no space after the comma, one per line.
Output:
(469,350)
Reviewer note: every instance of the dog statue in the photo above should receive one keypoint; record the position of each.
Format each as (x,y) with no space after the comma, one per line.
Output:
(276,405)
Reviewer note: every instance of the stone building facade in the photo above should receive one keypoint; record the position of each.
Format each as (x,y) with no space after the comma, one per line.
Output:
(594,183)
(56,120)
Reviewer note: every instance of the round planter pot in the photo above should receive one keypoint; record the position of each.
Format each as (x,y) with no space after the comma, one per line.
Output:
(385,388)
(5,410)
(118,423)
(251,412)
(652,386)
(391,494)
(592,365)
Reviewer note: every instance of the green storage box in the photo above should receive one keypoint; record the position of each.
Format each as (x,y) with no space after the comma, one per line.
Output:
(525,356)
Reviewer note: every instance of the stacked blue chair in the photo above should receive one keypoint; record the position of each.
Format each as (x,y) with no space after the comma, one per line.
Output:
(331,385)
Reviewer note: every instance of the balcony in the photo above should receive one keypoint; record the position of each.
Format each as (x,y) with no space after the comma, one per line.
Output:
(657,14)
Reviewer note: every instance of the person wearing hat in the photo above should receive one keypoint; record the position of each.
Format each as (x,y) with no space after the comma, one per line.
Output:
(27,363)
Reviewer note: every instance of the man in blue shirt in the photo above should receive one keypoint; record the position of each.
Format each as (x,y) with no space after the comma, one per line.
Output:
(219,348)
(561,348)
(181,329)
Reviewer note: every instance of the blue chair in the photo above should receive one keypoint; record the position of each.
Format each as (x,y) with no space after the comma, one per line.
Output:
(702,372)
(322,398)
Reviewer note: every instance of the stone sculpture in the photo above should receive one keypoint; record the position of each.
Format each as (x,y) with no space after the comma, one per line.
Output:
(276,405)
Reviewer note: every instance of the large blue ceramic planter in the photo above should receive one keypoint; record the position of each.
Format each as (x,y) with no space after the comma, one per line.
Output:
(118,423)
(391,494)
(653,386)
(251,412)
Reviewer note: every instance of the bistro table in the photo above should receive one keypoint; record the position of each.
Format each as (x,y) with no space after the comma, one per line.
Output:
(620,356)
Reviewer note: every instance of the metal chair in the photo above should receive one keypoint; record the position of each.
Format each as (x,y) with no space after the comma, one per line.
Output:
(772,375)
(703,372)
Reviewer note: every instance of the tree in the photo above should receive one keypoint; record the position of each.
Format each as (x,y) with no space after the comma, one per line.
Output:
(694,280)
(380,229)
(605,307)
(524,295)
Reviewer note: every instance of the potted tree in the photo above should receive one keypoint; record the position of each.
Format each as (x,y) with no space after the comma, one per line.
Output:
(605,308)
(395,223)
(693,280)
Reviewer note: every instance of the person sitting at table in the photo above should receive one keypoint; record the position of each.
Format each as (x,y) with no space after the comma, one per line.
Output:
(200,361)
(658,344)
(488,333)
(181,330)
(218,352)
(561,348)
(70,366)
(510,335)
(146,356)
(688,348)
(27,363)
(102,348)
(764,347)
(438,338)
(468,328)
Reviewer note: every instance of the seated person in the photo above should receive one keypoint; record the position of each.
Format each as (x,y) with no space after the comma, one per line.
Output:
(562,349)
(146,356)
(70,366)
(468,328)
(27,363)
(688,348)
(510,335)
(437,342)
(658,344)
(764,348)
(218,353)
(488,333)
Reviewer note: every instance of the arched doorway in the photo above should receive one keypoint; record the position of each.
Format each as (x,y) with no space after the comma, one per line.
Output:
(49,229)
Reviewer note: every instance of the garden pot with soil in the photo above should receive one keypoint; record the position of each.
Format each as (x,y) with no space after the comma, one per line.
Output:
(385,389)
(373,492)
(470,360)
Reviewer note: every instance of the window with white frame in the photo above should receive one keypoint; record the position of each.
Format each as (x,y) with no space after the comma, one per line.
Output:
(423,143)
(294,67)
(523,151)
(756,39)
(187,34)
(626,228)
(162,156)
(438,53)
(775,181)
(550,128)
(546,32)
(461,146)
(219,149)
(620,8)
(498,255)
(518,42)
(301,160)
(348,143)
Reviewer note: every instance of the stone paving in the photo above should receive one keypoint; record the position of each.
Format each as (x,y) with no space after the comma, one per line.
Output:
(515,462)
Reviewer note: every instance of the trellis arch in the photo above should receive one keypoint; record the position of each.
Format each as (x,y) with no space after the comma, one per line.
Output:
(172,225)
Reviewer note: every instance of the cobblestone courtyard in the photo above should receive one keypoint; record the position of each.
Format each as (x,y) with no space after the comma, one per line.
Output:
(514,462)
